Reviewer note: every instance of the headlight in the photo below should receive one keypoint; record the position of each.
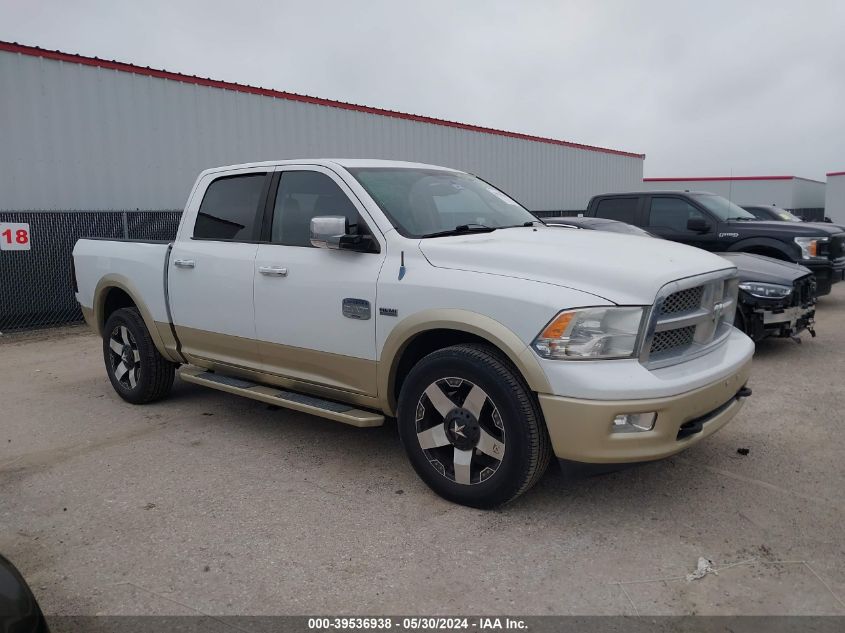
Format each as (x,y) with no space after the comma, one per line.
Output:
(810,246)
(591,333)
(765,291)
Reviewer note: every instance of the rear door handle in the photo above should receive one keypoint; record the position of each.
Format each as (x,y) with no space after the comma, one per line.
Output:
(184,263)
(273,271)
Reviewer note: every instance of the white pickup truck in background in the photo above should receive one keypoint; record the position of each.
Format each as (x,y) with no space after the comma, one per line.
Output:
(358,290)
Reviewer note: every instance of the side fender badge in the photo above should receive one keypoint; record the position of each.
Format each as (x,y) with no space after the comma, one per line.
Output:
(356,309)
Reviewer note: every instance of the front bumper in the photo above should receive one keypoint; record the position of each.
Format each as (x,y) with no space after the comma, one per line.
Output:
(788,322)
(762,321)
(582,430)
(827,273)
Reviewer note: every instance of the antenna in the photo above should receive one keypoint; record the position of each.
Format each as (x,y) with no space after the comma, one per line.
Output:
(731,186)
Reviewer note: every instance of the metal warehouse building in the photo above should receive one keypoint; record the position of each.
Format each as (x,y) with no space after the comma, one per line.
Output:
(84,133)
(96,148)
(834,197)
(802,195)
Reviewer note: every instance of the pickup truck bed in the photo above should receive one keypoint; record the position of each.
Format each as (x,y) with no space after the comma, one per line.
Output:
(139,267)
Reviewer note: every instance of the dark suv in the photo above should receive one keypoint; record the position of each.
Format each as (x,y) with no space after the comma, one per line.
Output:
(715,224)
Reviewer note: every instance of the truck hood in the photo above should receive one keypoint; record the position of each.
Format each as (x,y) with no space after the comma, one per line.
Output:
(780,229)
(765,269)
(622,269)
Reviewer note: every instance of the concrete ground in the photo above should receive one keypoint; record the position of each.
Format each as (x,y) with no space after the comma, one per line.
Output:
(210,503)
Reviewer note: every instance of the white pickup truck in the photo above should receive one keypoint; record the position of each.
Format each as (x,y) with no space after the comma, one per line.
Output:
(358,290)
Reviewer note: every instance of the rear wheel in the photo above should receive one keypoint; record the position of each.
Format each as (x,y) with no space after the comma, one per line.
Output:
(138,373)
(471,427)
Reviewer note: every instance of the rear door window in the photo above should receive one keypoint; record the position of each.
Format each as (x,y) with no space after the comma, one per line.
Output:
(620,209)
(229,209)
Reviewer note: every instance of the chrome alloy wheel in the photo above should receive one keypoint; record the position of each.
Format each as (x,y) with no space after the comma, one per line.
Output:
(124,356)
(464,442)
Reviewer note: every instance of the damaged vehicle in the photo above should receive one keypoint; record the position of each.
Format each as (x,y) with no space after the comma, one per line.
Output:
(776,298)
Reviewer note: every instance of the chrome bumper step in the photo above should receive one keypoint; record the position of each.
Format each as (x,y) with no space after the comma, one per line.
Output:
(337,411)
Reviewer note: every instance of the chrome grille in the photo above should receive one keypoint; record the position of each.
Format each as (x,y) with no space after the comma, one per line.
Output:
(671,340)
(690,316)
(683,301)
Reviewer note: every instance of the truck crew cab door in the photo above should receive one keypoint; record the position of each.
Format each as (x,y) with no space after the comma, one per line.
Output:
(314,318)
(669,216)
(211,269)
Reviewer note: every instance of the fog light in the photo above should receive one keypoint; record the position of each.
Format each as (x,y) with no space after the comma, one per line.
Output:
(633,422)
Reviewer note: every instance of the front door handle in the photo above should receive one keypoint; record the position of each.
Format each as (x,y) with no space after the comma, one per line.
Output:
(184,263)
(273,271)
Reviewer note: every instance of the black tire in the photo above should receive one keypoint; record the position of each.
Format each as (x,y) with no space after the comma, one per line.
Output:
(510,415)
(150,376)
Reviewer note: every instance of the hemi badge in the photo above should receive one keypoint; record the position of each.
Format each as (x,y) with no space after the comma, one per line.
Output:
(388,312)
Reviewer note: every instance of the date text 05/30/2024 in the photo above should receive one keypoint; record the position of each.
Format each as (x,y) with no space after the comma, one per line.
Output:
(417,623)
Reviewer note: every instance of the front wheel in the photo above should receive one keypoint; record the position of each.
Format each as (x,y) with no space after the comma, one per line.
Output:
(471,427)
(138,373)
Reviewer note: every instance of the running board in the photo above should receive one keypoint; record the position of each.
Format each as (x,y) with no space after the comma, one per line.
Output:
(336,411)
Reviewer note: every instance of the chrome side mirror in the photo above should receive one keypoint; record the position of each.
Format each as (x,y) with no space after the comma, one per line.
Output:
(327,231)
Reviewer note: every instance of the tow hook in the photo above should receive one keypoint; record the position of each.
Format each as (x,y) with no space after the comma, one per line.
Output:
(743,393)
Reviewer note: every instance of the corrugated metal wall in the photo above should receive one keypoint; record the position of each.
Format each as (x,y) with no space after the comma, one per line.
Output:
(789,193)
(834,201)
(79,137)
(807,194)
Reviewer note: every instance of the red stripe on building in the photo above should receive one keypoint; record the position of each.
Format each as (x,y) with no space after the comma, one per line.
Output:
(837,173)
(34,51)
(710,179)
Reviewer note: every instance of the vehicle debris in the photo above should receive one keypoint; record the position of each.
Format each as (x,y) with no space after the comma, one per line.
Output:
(704,567)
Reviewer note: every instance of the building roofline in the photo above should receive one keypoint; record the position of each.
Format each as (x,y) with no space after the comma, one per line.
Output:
(835,173)
(35,51)
(715,178)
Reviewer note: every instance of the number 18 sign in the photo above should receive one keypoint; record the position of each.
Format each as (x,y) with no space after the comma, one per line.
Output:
(14,236)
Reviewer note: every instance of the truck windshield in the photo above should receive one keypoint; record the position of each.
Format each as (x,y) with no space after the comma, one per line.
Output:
(428,202)
(722,208)
(785,215)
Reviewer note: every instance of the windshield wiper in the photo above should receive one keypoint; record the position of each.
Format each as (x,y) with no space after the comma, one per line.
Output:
(741,219)
(462,229)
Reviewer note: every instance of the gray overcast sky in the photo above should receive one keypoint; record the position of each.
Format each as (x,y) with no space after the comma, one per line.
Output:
(702,88)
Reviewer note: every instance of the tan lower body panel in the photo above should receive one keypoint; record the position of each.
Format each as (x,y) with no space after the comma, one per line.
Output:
(581,430)
(333,371)
(90,318)
(322,408)
(165,332)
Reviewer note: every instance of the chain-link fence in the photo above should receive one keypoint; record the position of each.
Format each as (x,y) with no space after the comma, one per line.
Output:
(36,287)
